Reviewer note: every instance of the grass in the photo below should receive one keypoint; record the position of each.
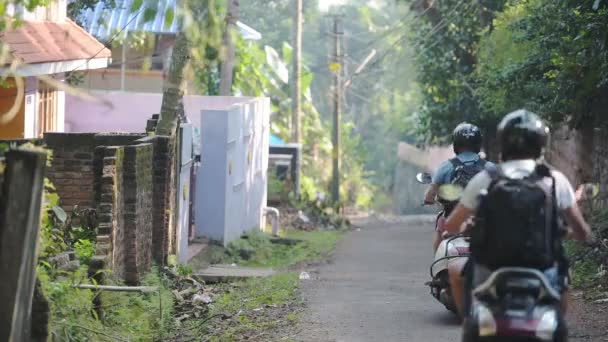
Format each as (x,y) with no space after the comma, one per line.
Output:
(126,316)
(257,249)
(313,246)
(252,308)
(586,267)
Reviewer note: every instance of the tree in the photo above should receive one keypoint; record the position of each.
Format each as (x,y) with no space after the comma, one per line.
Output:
(446,43)
(548,56)
(173,89)
(227,67)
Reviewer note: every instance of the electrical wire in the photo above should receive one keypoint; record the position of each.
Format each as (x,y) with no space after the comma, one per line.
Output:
(437,28)
(136,14)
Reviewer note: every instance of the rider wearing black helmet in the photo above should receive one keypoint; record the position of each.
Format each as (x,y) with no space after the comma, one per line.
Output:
(466,140)
(522,136)
(466,137)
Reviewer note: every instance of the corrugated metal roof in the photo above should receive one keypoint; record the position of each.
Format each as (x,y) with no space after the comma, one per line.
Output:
(103,22)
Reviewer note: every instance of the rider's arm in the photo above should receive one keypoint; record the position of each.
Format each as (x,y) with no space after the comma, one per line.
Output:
(431,193)
(441,176)
(580,228)
(457,218)
(567,202)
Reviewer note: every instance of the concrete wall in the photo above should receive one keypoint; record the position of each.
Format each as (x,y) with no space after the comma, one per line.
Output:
(572,152)
(128,112)
(232,179)
(582,155)
(407,192)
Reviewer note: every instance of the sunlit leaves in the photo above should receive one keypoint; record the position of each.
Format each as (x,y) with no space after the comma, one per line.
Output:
(546,55)
(136,5)
(169,17)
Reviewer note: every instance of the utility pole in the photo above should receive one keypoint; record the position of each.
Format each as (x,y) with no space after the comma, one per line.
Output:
(296,84)
(336,67)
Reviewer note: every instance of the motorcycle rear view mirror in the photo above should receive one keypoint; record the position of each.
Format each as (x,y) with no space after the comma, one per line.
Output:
(424,178)
(450,192)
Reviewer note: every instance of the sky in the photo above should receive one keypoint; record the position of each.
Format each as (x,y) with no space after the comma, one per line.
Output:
(324,5)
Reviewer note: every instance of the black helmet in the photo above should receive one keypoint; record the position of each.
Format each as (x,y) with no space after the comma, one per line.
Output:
(522,134)
(467,137)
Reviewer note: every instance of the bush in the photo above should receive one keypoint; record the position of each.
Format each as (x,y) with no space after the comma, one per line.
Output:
(85,250)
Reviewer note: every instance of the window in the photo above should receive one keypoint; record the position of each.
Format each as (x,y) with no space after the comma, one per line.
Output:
(46,120)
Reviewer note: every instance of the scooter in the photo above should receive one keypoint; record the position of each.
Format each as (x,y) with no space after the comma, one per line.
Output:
(516,305)
(450,249)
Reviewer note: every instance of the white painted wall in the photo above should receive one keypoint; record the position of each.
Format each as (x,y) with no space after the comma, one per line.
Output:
(232,181)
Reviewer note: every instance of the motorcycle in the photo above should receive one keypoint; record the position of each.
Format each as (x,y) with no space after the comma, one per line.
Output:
(515,304)
(518,304)
(451,248)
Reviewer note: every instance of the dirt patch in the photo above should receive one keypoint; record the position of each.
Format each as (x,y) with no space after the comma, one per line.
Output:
(588,320)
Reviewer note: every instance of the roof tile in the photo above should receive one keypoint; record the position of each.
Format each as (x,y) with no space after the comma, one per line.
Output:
(44,41)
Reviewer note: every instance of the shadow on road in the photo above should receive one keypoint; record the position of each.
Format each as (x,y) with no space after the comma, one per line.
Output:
(445,319)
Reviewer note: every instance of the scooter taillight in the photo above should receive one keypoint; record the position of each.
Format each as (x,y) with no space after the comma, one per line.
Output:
(516,327)
(463,250)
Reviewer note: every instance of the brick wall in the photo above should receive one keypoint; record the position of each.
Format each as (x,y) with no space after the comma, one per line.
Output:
(108,206)
(72,168)
(136,196)
(125,209)
(160,193)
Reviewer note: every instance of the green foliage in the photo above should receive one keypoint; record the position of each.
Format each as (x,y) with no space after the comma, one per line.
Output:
(545,55)
(276,187)
(58,232)
(184,270)
(257,250)
(446,40)
(276,290)
(548,56)
(204,25)
(589,263)
(251,308)
(378,103)
(126,316)
(85,250)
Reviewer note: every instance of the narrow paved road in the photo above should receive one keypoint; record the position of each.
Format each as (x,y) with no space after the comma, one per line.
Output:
(374,290)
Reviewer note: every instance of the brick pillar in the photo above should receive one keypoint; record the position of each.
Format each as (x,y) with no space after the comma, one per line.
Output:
(107,204)
(137,210)
(161,182)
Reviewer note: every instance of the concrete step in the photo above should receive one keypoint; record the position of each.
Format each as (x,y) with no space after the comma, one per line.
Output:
(103,249)
(227,273)
(104,239)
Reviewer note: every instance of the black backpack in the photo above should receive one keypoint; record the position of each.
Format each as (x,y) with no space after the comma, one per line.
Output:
(516,223)
(465,171)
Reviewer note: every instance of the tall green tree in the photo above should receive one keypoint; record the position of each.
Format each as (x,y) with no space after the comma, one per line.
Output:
(445,42)
(549,56)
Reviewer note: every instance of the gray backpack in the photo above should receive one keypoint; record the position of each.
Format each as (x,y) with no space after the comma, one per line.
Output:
(464,171)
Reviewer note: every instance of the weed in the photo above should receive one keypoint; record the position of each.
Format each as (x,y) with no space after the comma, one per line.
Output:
(85,250)
(257,249)
(125,316)
(255,308)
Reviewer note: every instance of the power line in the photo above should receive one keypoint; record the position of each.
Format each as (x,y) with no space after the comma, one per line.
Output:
(438,27)
(111,39)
